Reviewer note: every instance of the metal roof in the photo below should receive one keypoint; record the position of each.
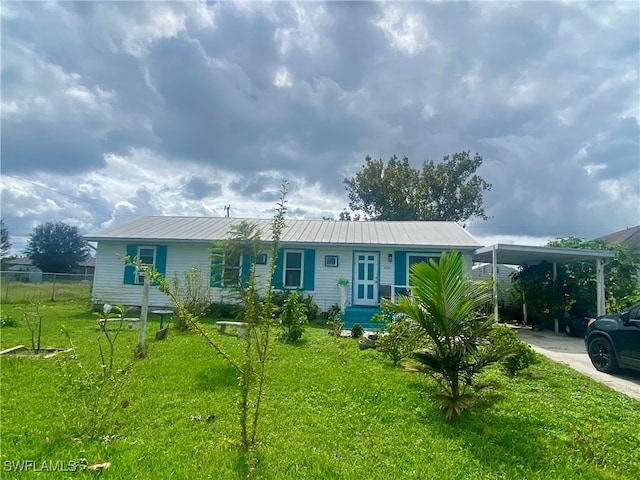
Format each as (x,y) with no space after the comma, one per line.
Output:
(199,229)
(530,255)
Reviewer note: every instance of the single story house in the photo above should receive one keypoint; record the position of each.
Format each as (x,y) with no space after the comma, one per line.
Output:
(373,257)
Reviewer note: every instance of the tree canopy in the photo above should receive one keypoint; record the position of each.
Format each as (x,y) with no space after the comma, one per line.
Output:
(56,247)
(5,240)
(449,190)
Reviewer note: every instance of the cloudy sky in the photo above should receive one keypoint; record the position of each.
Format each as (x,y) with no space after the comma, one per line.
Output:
(114,110)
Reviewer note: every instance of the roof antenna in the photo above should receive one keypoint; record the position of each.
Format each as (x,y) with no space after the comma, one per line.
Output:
(226,210)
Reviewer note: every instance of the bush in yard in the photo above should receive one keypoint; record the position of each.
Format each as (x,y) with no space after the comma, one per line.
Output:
(224,310)
(191,297)
(522,356)
(357,331)
(447,305)
(292,318)
(280,298)
(403,337)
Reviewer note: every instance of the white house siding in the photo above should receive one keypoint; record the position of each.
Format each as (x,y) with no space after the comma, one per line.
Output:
(109,286)
(504,273)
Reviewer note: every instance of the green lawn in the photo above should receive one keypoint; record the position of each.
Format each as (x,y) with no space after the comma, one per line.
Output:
(331,411)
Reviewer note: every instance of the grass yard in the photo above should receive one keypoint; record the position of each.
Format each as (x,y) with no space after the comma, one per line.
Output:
(330,411)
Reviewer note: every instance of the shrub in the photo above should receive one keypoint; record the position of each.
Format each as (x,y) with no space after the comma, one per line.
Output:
(357,331)
(191,298)
(292,318)
(403,337)
(522,356)
(224,310)
(280,298)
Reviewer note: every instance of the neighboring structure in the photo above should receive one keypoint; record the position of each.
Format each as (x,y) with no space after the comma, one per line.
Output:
(373,256)
(21,270)
(628,236)
(86,268)
(504,274)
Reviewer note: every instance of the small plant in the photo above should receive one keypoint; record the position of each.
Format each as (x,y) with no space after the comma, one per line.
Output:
(292,319)
(403,337)
(8,321)
(93,395)
(335,323)
(343,281)
(33,319)
(522,356)
(357,331)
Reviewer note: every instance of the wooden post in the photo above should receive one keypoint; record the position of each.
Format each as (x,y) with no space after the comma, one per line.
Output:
(141,351)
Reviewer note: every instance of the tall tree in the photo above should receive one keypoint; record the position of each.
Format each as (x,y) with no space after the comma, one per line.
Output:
(448,190)
(56,247)
(5,239)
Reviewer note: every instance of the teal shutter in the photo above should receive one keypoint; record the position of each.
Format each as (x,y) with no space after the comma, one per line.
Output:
(278,274)
(308,282)
(217,268)
(129,271)
(400,275)
(161,259)
(245,269)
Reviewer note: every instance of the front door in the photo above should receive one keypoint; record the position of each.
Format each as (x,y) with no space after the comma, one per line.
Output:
(365,287)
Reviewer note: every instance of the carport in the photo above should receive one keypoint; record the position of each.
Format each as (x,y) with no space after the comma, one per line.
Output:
(533,255)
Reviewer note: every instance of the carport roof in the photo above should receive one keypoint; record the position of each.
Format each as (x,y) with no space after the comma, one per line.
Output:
(532,255)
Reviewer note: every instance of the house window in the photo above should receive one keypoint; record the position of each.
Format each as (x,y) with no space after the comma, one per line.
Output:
(146,256)
(231,271)
(418,258)
(330,260)
(293,269)
(261,259)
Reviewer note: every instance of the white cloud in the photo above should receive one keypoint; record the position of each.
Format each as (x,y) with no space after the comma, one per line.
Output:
(405,30)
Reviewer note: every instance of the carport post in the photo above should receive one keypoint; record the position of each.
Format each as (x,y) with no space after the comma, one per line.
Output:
(600,286)
(556,322)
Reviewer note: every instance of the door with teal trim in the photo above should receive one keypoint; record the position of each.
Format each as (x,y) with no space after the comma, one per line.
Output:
(365,286)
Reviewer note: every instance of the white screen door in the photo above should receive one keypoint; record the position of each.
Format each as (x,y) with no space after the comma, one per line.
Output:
(366,285)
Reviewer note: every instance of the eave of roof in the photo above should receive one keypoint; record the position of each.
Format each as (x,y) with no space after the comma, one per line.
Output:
(532,255)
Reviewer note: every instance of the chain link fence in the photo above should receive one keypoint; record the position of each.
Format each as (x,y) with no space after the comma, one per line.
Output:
(25,286)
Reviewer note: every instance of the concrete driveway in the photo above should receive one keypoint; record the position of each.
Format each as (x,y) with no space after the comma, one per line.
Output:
(572,352)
